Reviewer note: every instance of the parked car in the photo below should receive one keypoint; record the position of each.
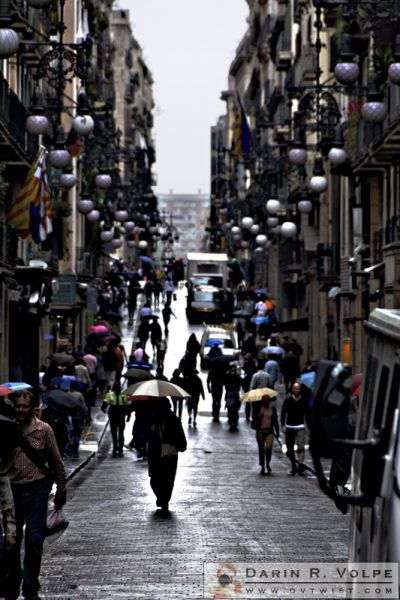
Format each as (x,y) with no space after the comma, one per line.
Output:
(203,303)
(225,337)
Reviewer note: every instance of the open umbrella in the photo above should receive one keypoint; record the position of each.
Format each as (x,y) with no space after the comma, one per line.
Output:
(99,328)
(62,401)
(257,394)
(4,390)
(16,386)
(146,259)
(113,316)
(64,382)
(214,342)
(308,379)
(259,320)
(156,388)
(273,350)
(136,373)
(62,358)
(139,364)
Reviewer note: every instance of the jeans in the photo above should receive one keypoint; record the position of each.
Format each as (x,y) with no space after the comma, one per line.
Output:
(216,393)
(30,510)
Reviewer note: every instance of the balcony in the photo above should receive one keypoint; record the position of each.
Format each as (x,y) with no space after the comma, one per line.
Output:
(304,67)
(14,142)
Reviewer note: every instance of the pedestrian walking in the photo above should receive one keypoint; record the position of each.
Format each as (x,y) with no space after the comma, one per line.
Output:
(193,385)
(8,530)
(165,439)
(166,315)
(290,368)
(78,420)
(116,404)
(294,417)
(30,487)
(233,385)
(265,422)
(168,289)
(110,362)
(161,350)
(215,387)
(193,347)
(155,334)
(177,403)
(271,367)
(143,332)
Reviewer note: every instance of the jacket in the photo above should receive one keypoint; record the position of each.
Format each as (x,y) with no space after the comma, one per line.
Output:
(112,399)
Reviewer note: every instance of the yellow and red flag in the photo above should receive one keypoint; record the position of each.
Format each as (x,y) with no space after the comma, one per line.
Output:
(30,212)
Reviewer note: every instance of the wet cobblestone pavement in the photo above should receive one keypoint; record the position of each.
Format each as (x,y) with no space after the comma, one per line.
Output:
(118,546)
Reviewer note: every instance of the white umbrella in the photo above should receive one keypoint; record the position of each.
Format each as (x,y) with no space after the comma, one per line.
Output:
(273,350)
(155,388)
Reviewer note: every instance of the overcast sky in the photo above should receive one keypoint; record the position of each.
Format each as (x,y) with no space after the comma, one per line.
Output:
(189,46)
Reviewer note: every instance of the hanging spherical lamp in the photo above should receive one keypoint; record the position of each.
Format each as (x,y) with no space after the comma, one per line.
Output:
(254,229)
(103,180)
(83,124)
(236,230)
(337,156)
(131,243)
(68,178)
(106,235)
(394,68)
(59,158)
(347,73)
(85,205)
(318,182)
(247,222)
(272,221)
(116,242)
(272,206)
(128,225)
(37,124)
(143,244)
(261,239)
(9,42)
(121,215)
(244,244)
(297,157)
(304,206)
(288,229)
(275,230)
(374,112)
(93,215)
(153,229)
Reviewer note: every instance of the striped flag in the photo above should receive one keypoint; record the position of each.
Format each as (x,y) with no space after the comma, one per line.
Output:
(242,134)
(30,213)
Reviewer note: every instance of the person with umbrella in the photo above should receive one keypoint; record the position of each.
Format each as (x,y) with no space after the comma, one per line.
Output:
(165,439)
(265,422)
(116,403)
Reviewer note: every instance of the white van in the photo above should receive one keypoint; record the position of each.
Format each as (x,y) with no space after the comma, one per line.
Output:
(375,449)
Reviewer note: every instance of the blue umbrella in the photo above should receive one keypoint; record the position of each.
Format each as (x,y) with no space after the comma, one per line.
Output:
(214,342)
(308,379)
(261,292)
(64,382)
(17,386)
(259,320)
(139,364)
(146,259)
(273,350)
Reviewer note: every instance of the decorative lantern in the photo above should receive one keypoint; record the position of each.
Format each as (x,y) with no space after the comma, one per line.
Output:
(261,239)
(131,243)
(9,42)
(318,182)
(247,222)
(128,225)
(272,206)
(254,229)
(85,205)
(37,124)
(116,243)
(143,244)
(337,156)
(297,156)
(106,235)
(347,72)
(83,124)
(244,244)
(67,178)
(374,110)
(304,206)
(121,215)
(272,221)
(288,229)
(59,158)
(103,180)
(94,215)
(236,230)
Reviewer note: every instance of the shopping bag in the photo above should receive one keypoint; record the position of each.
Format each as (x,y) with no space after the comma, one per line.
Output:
(56,525)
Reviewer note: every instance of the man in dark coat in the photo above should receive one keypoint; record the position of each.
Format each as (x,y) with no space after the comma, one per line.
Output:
(165,439)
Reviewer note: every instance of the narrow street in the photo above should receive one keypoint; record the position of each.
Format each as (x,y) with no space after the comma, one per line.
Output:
(117,545)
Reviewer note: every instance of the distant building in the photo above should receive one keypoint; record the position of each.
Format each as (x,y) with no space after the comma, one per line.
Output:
(189,213)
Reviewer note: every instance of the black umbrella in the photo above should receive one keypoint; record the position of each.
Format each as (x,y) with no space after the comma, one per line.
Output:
(62,401)
(62,358)
(113,316)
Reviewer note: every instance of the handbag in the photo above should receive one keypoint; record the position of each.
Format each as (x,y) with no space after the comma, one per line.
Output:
(56,524)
